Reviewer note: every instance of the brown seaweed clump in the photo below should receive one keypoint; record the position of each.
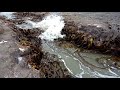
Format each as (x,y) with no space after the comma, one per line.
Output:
(93,37)
(51,67)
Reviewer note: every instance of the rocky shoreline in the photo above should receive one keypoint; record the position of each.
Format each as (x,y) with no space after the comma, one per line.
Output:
(84,36)
(49,65)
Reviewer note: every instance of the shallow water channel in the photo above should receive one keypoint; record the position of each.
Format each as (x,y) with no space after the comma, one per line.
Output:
(81,69)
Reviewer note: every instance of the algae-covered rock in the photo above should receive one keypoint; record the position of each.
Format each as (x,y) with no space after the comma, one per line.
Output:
(92,37)
(52,67)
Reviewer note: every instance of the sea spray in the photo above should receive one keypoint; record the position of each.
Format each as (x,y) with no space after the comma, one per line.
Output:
(51,25)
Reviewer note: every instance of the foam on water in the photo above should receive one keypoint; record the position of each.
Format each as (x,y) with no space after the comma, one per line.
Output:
(51,25)
(66,66)
(8,15)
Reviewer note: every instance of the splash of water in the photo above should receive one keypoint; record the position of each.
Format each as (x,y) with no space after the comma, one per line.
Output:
(51,25)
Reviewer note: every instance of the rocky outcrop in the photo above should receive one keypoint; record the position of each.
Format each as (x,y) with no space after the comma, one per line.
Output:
(93,37)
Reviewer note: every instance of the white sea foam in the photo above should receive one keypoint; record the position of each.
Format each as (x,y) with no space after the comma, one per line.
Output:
(66,66)
(51,25)
(8,15)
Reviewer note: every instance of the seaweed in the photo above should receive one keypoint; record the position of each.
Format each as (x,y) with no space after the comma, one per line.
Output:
(48,64)
(92,38)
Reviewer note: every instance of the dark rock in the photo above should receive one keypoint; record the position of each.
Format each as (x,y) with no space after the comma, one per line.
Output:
(92,37)
(51,67)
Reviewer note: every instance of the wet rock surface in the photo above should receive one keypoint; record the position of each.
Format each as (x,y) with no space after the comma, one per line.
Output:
(7,47)
(52,67)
